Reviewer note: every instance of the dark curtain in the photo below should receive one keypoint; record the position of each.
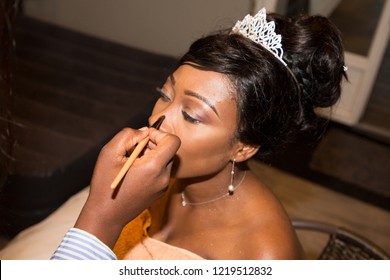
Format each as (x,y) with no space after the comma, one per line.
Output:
(8,11)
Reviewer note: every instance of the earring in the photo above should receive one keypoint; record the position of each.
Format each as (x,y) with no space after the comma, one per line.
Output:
(231,188)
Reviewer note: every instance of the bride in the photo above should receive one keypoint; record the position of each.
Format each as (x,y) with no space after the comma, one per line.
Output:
(236,94)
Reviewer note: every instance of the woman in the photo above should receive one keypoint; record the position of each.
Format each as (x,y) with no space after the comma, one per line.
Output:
(235,95)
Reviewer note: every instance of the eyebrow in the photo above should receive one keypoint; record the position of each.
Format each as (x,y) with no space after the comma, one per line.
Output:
(196,95)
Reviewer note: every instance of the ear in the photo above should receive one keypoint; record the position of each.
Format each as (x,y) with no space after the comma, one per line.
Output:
(244,152)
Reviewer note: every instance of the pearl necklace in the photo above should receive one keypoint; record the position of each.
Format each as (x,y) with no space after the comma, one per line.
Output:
(184,202)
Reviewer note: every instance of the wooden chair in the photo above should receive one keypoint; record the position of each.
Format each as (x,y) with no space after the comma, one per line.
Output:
(343,244)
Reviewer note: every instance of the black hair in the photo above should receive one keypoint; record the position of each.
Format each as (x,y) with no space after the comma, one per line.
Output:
(274,102)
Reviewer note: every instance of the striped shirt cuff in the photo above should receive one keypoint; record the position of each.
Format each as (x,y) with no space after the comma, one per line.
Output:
(78,244)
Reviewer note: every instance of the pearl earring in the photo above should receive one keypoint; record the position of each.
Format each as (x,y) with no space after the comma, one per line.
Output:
(231,188)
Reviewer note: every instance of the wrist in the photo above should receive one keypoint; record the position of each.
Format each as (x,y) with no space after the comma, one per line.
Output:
(105,229)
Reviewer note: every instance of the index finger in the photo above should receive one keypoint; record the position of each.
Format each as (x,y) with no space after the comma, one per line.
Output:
(165,144)
(124,141)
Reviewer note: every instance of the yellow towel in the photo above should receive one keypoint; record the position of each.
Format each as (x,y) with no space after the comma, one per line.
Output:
(134,243)
(132,234)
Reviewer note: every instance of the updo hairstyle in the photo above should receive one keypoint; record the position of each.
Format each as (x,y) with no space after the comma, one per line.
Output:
(274,102)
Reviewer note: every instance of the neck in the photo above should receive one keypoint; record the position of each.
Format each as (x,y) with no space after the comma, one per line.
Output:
(169,213)
(210,190)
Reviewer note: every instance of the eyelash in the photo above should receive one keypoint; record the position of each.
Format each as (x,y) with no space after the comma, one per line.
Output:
(186,116)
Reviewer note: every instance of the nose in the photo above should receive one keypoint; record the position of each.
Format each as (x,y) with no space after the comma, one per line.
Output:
(169,110)
(157,121)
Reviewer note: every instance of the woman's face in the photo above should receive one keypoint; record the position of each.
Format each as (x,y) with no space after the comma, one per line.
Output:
(200,109)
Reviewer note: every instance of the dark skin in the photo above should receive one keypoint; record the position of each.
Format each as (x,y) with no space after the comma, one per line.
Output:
(106,212)
(232,228)
(201,111)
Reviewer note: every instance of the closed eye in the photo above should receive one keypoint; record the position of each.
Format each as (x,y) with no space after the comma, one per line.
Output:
(187,117)
(190,119)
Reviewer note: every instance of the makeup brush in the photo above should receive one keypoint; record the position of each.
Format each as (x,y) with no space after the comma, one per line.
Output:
(134,155)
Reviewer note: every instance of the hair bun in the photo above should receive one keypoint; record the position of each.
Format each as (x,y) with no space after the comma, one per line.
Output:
(314,52)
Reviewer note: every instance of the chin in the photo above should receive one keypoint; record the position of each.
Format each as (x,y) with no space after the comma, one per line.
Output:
(179,171)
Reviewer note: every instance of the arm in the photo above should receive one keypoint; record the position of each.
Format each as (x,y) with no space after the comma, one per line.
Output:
(81,245)
(106,212)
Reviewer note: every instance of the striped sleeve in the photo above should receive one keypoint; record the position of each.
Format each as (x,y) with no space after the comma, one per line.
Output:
(78,244)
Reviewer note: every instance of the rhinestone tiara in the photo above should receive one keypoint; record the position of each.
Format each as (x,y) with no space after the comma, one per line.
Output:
(260,31)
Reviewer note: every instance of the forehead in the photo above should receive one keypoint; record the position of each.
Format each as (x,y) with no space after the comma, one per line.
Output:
(214,86)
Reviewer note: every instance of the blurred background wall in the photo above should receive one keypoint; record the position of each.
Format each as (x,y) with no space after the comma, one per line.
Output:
(133,23)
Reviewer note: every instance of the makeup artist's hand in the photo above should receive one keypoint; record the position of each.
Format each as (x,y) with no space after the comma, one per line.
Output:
(107,211)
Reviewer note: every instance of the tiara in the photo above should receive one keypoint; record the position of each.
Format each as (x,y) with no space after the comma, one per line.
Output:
(260,31)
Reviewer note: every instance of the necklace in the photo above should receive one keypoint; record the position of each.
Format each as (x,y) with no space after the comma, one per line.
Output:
(184,202)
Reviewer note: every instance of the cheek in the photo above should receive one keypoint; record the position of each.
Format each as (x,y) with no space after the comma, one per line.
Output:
(202,153)
(205,149)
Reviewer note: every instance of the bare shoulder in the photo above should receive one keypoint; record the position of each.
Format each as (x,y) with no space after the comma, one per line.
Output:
(275,241)
(271,234)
